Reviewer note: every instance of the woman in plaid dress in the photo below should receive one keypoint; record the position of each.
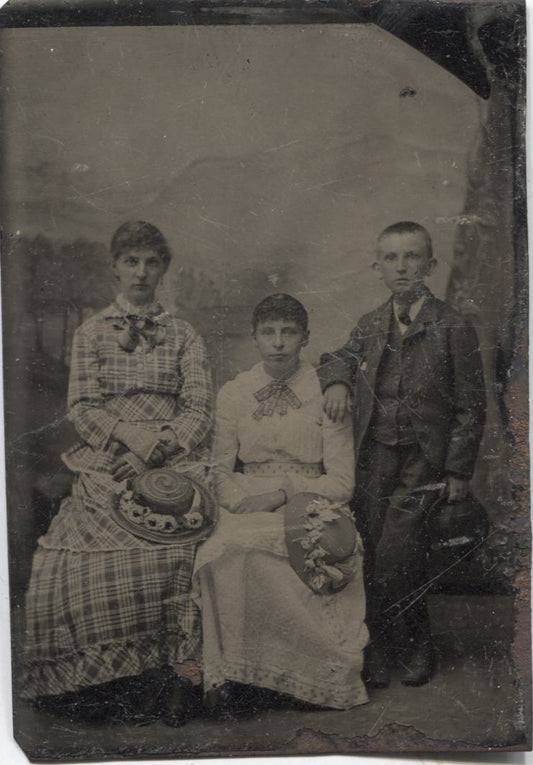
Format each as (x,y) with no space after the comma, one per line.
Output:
(108,614)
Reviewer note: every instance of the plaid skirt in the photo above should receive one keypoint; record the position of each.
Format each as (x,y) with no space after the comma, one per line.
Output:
(94,613)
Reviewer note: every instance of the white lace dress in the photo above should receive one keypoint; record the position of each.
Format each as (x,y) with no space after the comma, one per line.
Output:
(261,624)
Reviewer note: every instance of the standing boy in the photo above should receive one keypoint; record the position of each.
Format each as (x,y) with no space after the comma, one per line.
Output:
(419,406)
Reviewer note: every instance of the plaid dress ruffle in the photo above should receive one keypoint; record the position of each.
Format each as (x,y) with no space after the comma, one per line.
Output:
(103,604)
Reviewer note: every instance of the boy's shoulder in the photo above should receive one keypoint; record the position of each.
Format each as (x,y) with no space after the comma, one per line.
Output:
(449,314)
(441,310)
(376,314)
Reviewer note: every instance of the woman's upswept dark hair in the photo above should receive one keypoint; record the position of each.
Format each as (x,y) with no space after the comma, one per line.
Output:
(139,235)
(280,306)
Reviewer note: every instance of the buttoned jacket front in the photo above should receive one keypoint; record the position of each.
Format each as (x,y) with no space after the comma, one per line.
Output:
(442,380)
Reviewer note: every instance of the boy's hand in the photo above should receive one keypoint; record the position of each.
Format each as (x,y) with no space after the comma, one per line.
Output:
(457,489)
(337,401)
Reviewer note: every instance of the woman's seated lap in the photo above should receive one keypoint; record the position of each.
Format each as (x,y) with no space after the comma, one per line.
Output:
(139,397)
(264,623)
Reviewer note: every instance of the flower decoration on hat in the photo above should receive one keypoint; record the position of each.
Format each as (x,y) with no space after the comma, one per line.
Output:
(144,516)
(165,505)
(193,519)
(323,576)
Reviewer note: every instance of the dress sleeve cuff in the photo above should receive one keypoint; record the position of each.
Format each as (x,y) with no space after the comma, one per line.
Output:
(105,431)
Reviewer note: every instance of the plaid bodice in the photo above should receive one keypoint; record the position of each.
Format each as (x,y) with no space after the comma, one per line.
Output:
(164,384)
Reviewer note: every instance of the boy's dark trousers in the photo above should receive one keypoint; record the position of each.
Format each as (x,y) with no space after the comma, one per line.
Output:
(391,521)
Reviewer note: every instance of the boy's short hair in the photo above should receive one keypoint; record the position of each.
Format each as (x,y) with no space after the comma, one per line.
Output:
(280,306)
(409,227)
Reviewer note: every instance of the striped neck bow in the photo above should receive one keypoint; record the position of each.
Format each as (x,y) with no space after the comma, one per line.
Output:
(275,397)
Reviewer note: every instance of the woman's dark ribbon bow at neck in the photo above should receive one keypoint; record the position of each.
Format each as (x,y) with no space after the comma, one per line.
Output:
(132,327)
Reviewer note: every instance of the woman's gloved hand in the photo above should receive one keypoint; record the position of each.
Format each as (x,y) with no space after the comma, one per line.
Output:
(127,466)
(168,448)
(158,456)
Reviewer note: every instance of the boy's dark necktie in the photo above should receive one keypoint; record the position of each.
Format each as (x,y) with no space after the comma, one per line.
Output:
(403,313)
(404,303)
(403,307)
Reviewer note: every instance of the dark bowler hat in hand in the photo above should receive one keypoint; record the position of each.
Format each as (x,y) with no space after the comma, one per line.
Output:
(458,527)
(321,541)
(163,505)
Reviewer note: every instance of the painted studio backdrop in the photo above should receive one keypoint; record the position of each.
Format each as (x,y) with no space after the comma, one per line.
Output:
(270,157)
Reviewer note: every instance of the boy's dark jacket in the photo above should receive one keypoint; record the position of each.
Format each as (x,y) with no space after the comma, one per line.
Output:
(442,380)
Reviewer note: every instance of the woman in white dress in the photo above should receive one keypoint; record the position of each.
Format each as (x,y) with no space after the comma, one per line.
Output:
(263,626)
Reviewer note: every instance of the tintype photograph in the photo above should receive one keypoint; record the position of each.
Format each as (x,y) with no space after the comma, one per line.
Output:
(264,306)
